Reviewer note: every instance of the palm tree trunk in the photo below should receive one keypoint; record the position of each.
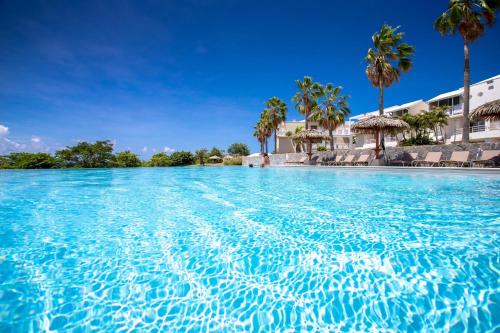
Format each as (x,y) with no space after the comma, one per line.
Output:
(275,142)
(330,132)
(380,112)
(465,133)
(267,147)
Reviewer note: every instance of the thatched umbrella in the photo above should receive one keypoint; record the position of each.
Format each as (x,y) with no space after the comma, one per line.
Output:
(215,158)
(376,124)
(490,110)
(310,137)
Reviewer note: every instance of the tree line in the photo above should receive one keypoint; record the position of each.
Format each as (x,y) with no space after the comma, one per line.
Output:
(100,154)
(387,58)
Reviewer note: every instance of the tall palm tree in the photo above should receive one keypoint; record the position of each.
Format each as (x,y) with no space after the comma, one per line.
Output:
(261,135)
(467,17)
(306,98)
(332,110)
(277,113)
(263,130)
(386,59)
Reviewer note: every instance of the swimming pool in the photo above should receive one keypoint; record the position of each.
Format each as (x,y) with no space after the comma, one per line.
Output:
(237,249)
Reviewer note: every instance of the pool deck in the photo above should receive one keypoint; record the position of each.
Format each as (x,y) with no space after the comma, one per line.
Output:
(489,171)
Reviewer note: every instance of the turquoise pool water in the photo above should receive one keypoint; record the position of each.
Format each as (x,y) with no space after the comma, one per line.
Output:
(240,249)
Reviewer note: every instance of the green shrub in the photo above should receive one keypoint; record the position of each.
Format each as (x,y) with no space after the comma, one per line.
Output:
(127,159)
(321,148)
(159,160)
(238,149)
(87,155)
(180,158)
(418,141)
(28,161)
(233,161)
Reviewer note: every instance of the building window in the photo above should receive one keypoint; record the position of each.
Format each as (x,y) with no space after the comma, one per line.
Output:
(314,127)
(489,82)
(491,87)
(480,94)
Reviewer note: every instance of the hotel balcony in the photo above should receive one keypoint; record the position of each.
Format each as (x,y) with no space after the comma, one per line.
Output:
(480,132)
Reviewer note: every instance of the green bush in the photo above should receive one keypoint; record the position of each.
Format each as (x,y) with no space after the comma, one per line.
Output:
(418,141)
(201,156)
(127,159)
(321,148)
(87,155)
(159,160)
(238,149)
(233,161)
(180,158)
(28,161)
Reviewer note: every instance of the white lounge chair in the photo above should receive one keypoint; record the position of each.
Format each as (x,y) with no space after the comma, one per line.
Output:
(458,158)
(431,159)
(488,157)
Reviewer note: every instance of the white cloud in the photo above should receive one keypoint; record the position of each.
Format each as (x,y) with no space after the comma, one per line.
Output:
(145,149)
(8,146)
(154,150)
(4,130)
(36,139)
(168,150)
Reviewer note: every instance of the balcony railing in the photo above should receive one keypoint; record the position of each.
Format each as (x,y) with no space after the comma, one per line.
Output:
(472,129)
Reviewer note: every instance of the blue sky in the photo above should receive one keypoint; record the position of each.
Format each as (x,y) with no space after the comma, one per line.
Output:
(164,75)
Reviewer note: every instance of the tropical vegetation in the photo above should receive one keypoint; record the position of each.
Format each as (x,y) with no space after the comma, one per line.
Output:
(100,155)
(469,18)
(201,156)
(423,124)
(127,159)
(332,110)
(238,149)
(276,110)
(386,60)
(306,98)
(263,130)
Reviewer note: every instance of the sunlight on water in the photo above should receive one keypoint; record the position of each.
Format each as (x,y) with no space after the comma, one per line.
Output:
(248,250)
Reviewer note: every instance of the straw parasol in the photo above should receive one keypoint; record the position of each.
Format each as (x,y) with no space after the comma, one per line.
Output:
(377,124)
(215,158)
(490,110)
(310,137)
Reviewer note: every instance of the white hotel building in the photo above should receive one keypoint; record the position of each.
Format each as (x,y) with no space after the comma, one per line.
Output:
(480,93)
(483,130)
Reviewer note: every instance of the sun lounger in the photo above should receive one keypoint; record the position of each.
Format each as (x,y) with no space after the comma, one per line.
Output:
(362,160)
(488,158)
(348,160)
(431,159)
(336,161)
(458,158)
(301,161)
(404,160)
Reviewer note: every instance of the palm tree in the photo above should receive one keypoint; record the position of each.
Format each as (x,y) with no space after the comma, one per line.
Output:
(388,57)
(467,17)
(263,130)
(306,98)
(332,110)
(439,119)
(260,135)
(277,113)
